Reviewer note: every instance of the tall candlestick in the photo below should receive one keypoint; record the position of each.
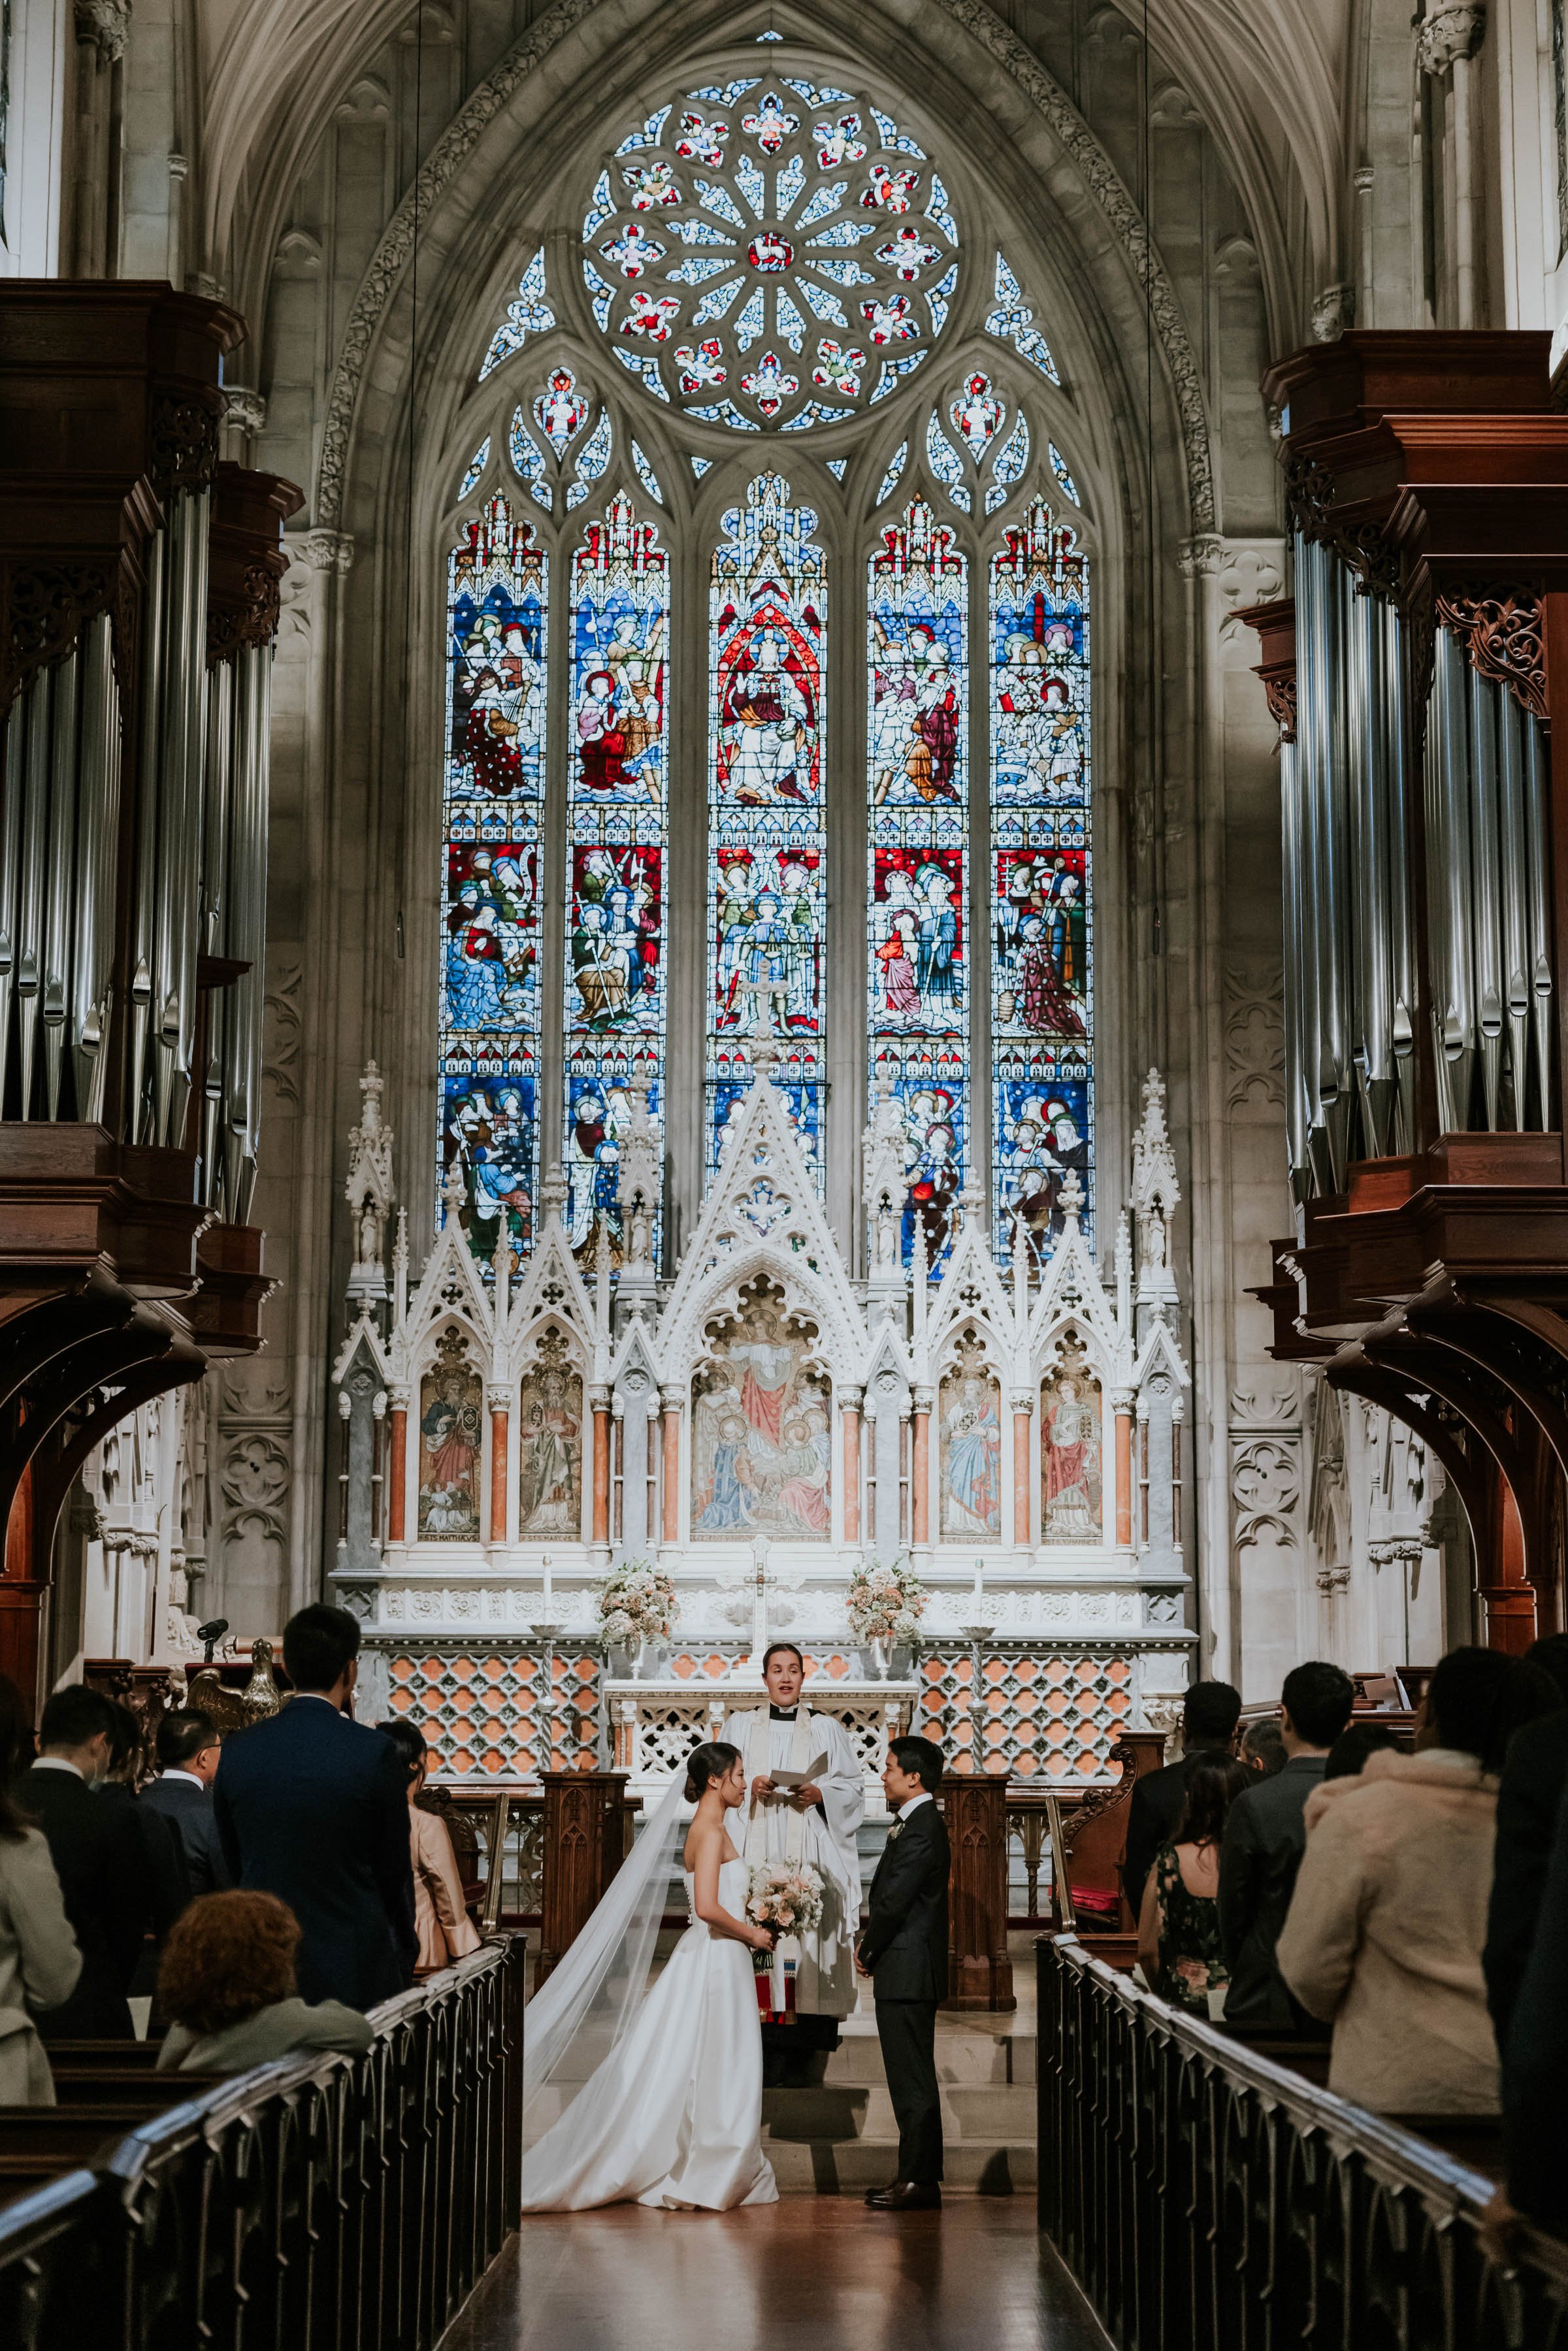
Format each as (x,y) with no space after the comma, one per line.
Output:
(545,1563)
(979,1593)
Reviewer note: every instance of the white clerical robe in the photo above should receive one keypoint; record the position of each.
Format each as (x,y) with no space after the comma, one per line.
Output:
(777,1830)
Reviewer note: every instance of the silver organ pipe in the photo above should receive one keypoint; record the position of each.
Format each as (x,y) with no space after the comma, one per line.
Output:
(179,790)
(1538,917)
(1298,1105)
(99,817)
(1486,928)
(247,901)
(1449,889)
(1401,916)
(1514,857)
(59,896)
(30,892)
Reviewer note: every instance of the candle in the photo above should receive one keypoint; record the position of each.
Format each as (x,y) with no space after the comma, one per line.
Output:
(547,1597)
(979,1592)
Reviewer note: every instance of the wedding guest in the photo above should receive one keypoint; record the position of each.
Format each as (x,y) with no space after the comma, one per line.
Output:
(1385,1932)
(189,1744)
(1535,2065)
(1179,1925)
(1533,1767)
(227,1980)
(1264,1836)
(441,1916)
(1210,1712)
(17,1745)
(313,1807)
(1347,1756)
(903,1951)
(166,1878)
(1263,1748)
(99,1860)
(39,1960)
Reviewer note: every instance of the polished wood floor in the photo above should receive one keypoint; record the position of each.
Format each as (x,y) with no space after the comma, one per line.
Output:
(809,2274)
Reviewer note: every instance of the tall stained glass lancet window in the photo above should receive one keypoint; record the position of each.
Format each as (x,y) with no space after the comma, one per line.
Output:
(616,840)
(1041,966)
(767,885)
(497,594)
(916,916)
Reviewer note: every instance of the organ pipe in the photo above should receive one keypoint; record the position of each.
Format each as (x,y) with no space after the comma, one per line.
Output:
(1514,855)
(1485,926)
(1401,920)
(1539,915)
(1297,1109)
(1450,886)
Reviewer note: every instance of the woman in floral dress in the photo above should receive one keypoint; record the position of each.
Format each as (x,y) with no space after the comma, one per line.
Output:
(1179,1926)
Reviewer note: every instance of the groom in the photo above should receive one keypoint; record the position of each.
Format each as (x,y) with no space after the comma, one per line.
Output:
(903,1951)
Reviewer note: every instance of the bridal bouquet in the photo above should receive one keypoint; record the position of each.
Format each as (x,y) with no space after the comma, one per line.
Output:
(885,1603)
(636,1604)
(787,1896)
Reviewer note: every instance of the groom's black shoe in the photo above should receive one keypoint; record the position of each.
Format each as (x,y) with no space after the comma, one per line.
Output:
(906,2195)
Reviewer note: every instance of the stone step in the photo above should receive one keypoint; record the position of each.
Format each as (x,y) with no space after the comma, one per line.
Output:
(865,2112)
(961,2056)
(849,2166)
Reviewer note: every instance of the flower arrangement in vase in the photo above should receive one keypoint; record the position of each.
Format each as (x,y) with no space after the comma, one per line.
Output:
(885,1605)
(637,1607)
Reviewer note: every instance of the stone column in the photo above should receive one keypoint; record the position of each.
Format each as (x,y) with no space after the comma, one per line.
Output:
(673,1400)
(499,1402)
(599,1397)
(1446,42)
(849,1404)
(1022,1402)
(920,1472)
(397,1467)
(979,1973)
(1121,1405)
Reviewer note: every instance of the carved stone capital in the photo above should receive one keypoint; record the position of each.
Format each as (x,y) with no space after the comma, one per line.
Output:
(1021,1400)
(1202,557)
(497,1399)
(244,408)
(103,24)
(1449,35)
(329,550)
(1332,311)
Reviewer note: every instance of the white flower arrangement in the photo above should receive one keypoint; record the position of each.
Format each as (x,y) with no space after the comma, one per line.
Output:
(785,1894)
(636,1604)
(885,1603)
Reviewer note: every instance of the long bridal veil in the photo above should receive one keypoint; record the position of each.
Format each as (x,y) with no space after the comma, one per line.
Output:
(581,2012)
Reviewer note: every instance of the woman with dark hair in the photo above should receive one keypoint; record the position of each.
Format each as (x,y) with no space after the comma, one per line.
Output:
(39,1960)
(227,1980)
(1347,1756)
(1385,1932)
(441,1917)
(1178,1924)
(672,2114)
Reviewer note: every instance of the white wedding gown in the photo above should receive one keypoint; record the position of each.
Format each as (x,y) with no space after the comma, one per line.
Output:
(674,2116)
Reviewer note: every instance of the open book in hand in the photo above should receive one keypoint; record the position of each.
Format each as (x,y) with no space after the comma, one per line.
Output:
(812,1773)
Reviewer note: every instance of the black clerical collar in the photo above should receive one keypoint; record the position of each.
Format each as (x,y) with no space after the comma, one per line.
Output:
(784,1713)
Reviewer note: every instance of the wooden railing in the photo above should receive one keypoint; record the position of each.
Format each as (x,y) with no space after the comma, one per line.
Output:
(1202,2194)
(318,2204)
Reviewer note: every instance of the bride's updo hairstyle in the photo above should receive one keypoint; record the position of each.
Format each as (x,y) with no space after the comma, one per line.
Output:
(707,1763)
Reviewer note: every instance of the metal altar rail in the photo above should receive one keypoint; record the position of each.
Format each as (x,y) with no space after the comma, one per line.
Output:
(318,2204)
(1202,2195)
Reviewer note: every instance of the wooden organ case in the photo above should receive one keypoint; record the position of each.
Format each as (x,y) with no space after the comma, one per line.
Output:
(1420,681)
(139,597)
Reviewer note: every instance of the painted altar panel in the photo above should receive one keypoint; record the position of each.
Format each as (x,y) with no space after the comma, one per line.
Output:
(1071,1437)
(451,1443)
(761,1430)
(549,1445)
(969,1428)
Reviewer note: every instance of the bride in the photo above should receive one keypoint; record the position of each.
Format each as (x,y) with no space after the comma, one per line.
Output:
(668,2107)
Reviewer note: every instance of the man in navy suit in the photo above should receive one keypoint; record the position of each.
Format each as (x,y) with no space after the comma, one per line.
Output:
(313,1807)
(904,1949)
(188,1746)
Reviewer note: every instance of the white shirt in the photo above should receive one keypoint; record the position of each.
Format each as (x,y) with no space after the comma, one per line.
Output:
(194,1778)
(57,1763)
(912,1803)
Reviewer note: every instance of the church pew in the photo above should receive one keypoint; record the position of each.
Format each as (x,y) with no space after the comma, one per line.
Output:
(120,2054)
(147,2091)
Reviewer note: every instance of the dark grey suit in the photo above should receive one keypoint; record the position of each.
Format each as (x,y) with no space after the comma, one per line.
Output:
(189,1810)
(1265,1838)
(904,1948)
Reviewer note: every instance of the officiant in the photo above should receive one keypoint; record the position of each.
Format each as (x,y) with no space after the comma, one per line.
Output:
(814,1823)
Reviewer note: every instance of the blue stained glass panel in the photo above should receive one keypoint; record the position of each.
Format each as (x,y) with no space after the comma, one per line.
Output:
(616,848)
(497,595)
(916,879)
(766,839)
(1040,881)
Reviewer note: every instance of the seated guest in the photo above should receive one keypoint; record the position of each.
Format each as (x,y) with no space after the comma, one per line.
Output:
(1179,1926)
(1385,1930)
(313,1807)
(1263,1748)
(1264,1835)
(1347,1756)
(1534,1768)
(39,1960)
(1210,1712)
(163,1856)
(227,1981)
(99,1860)
(188,1746)
(1535,2063)
(441,1918)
